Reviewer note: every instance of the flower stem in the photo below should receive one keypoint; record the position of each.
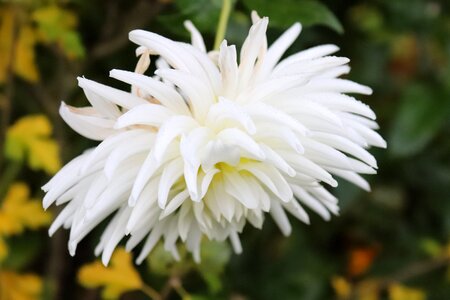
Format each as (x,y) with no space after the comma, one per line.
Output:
(223,21)
(151,292)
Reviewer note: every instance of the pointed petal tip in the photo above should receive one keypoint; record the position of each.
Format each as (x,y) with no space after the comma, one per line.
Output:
(332,182)
(72,248)
(105,261)
(132,201)
(187,23)
(135,33)
(291,172)
(307,220)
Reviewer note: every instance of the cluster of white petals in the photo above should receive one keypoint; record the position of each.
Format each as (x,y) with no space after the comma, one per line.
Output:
(207,144)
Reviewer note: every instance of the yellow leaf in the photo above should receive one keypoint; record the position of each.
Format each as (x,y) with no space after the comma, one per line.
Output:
(15,286)
(44,154)
(24,56)
(401,292)
(3,250)
(341,286)
(6,39)
(19,49)
(18,212)
(30,136)
(368,290)
(117,279)
(57,25)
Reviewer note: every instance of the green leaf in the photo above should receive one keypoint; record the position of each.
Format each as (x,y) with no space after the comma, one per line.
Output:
(214,257)
(284,13)
(160,261)
(423,110)
(203,13)
(22,251)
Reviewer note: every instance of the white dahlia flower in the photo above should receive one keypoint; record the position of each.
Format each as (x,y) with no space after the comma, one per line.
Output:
(208,143)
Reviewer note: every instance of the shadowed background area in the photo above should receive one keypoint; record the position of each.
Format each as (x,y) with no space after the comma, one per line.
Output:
(392,243)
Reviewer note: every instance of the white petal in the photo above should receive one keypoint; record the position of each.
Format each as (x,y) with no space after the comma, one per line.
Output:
(311,53)
(305,166)
(199,94)
(119,155)
(343,102)
(227,113)
(175,55)
(277,49)
(347,146)
(150,243)
(280,218)
(336,85)
(171,173)
(351,177)
(164,93)
(116,236)
(190,148)
(272,88)
(170,129)
(236,137)
(296,210)
(98,93)
(149,168)
(235,242)
(311,202)
(87,122)
(277,161)
(196,37)
(175,203)
(269,113)
(217,151)
(146,114)
(311,67)
(250,49)
(106,147)
(228,69)
(240,188)
(271,178)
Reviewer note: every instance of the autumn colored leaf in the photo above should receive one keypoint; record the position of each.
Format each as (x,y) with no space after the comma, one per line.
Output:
(360,260)
(3,249)
(14,286)
(30,137)
(341,286)
(24,56)
(118,278)
(401,292)
(57,25)
(6,38)
(368,290)
(18,50)
(18,212)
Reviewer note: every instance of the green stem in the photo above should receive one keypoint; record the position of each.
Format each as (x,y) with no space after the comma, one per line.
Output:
(151,292)
(223,21)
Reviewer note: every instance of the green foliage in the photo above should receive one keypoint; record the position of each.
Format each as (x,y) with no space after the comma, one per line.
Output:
(284,13)
(399,48)
(422,113)
(57,25)
(213,259)
(204,13)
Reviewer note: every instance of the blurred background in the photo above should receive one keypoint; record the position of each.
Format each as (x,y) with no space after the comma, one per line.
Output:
(392,243)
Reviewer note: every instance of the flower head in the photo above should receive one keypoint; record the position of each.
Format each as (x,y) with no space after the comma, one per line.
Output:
(207,144)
